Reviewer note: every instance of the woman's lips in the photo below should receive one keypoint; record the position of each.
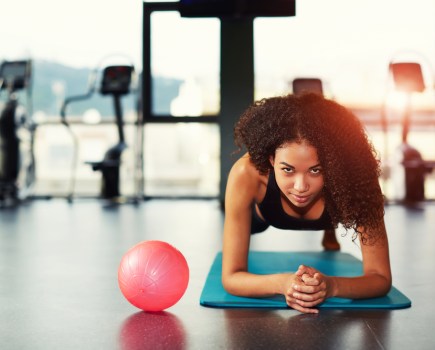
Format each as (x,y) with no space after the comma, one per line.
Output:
(300,199)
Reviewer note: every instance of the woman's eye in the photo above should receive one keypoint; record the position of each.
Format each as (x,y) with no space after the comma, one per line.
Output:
(287,170)
(316,171)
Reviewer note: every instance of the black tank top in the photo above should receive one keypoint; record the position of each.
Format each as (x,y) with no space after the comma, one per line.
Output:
(274,214)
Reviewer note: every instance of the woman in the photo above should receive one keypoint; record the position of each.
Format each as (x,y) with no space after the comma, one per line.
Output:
(309,165)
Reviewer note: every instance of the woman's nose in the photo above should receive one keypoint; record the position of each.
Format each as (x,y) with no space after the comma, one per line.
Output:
(300,184)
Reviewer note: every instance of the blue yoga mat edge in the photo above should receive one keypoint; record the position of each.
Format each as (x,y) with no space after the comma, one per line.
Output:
(214,295)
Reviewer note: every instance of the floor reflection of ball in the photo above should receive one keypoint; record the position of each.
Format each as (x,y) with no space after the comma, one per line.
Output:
(153,275)
(152,330)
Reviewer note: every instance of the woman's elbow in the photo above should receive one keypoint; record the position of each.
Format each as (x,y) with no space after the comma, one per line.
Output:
(385,286)
(388,285)
(228,284)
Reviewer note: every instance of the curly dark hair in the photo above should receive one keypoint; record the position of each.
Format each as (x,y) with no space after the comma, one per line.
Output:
(352,193)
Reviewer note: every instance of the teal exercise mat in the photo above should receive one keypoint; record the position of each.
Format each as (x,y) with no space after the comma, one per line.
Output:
(329,263)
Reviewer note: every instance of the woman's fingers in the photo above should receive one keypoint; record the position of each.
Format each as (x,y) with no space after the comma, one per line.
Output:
(301,306)
(309,295)
(307,291)
(302,269)
(315,298)
(310,280)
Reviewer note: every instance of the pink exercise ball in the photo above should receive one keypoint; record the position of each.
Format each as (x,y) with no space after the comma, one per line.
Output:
(153,275)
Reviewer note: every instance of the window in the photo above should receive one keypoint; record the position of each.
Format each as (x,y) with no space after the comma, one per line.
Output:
(184,64)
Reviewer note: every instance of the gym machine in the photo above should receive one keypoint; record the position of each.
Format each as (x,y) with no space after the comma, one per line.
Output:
(408,78)
(116,81)
(17,161)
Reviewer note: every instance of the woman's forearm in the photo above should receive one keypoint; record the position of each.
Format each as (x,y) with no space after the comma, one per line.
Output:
(251,285)
(368,286)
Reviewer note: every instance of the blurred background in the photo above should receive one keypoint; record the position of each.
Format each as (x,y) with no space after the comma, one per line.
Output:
(174,149)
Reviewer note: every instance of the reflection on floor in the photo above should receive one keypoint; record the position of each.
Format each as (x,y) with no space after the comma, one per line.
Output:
(58,285)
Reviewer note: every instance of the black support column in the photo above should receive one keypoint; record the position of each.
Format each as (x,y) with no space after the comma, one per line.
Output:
(237,86)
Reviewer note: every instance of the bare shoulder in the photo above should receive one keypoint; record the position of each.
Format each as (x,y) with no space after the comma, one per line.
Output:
(244,170)
(246,179)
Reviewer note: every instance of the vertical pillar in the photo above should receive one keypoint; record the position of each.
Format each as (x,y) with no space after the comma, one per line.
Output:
(237,86)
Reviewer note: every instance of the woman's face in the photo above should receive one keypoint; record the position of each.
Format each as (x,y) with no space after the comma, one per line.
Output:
(298,173)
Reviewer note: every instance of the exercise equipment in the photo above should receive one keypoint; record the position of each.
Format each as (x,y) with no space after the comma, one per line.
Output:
(153,275)
(410,167)
(116,81)
(17,161)
(329,263)
(303,85)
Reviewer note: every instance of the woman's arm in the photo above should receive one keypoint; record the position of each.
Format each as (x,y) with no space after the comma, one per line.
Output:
(243,188)
(376,279)
(374,282)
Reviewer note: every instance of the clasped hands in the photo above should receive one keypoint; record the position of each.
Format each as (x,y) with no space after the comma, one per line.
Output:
(307,288)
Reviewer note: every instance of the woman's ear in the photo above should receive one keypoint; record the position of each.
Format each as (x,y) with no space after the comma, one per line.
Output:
(272,160)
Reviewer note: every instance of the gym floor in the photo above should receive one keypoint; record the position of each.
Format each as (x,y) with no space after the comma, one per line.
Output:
(59,289)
